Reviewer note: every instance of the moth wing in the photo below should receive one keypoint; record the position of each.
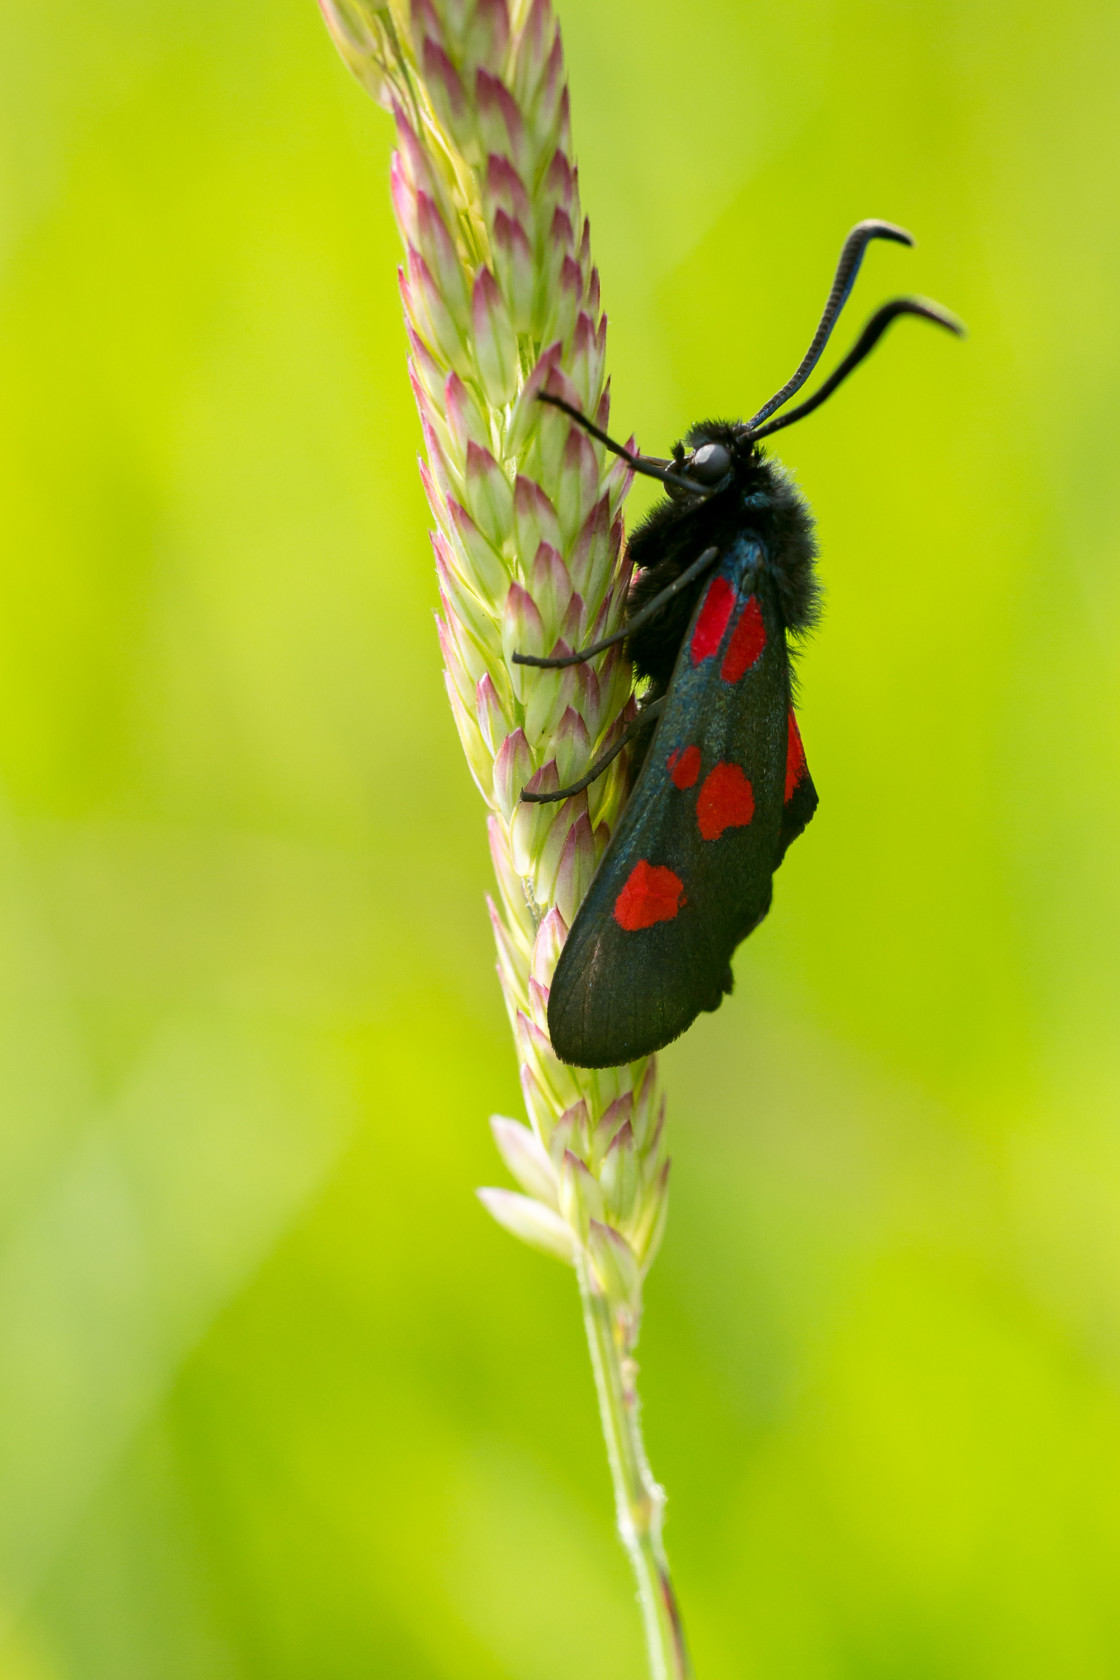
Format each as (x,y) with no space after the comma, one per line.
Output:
(801,799)
(687,874)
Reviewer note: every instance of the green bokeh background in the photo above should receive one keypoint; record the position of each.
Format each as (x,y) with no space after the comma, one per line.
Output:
(276,1399)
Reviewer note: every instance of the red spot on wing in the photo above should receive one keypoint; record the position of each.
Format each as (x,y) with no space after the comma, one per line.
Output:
(652,894)
(719,603)
(726,800)
(683,765)
(746,644)
(795,758)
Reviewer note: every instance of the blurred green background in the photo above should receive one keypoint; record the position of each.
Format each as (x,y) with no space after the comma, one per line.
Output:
(276,1400)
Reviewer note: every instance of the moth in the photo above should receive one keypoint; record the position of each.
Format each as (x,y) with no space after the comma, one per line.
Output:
(725,580)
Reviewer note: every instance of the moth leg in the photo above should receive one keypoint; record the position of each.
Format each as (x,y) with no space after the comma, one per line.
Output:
(650,610)
(651,465)
(645,717)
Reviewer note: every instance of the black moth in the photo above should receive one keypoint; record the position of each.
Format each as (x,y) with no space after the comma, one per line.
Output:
(725,576)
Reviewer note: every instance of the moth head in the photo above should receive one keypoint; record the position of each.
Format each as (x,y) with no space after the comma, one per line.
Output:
(708,464)
(708,457)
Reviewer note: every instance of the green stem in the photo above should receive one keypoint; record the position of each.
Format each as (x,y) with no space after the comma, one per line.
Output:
(639,1501)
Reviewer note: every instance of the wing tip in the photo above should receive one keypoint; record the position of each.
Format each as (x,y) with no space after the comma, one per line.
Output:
(605,1045)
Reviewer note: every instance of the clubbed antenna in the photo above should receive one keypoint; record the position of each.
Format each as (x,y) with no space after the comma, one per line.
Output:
(844,279)
(863,347)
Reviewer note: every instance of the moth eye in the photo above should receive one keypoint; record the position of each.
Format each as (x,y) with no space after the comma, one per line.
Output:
(709,463)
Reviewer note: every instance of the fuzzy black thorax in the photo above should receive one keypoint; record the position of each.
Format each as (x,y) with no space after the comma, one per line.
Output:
(758,501)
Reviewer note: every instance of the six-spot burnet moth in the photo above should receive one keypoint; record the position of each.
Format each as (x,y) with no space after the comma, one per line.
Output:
(724,578)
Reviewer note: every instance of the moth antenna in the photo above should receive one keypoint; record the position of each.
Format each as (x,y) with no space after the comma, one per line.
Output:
(844,279)
(651,465)
(863,346)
